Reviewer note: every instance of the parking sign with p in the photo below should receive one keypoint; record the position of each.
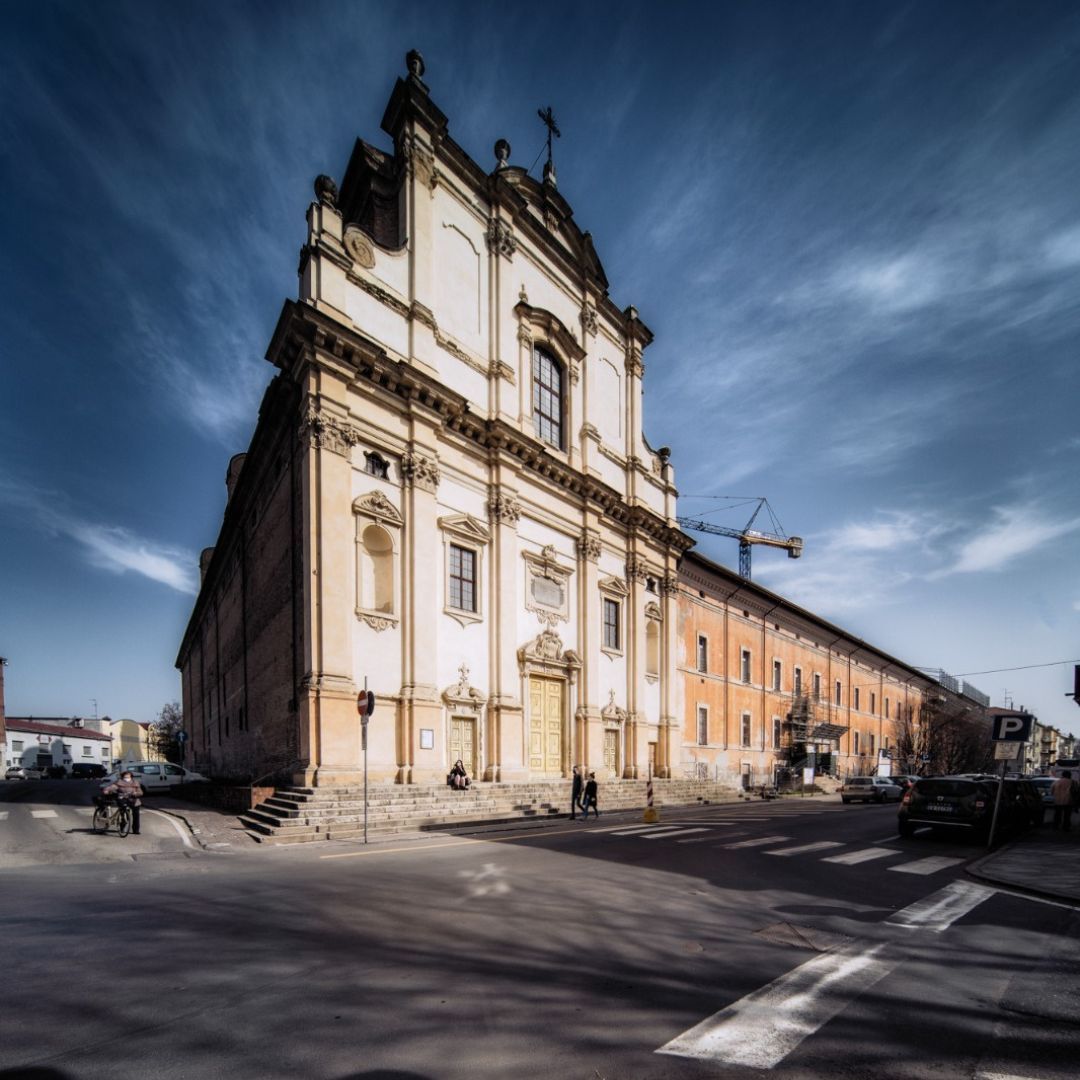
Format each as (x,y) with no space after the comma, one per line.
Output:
(1012,727)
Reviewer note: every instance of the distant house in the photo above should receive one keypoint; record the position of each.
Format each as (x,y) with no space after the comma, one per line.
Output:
(130,738)
(46,741)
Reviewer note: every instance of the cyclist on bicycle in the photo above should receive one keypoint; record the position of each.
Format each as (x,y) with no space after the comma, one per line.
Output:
(128,789)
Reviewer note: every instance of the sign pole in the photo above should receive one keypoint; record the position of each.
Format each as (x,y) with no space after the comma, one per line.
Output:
(363,736)
(997,806)
(365,706)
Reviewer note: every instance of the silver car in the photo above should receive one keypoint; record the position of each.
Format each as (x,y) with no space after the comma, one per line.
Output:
(23,772)
(877,789)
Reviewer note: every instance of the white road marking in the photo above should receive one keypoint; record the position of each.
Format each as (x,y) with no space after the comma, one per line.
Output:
(678,832)
(927,866)
(1000,1076)
(43,813)
(643,829)
(3,815)
(802,849)
(759,841)
(938,911)
(761,1029)
(175,824)
(853,857)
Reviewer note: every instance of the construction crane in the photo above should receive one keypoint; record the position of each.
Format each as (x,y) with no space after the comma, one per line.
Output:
(748,535)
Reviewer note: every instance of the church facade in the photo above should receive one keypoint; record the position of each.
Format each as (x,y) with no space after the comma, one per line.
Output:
(448,499)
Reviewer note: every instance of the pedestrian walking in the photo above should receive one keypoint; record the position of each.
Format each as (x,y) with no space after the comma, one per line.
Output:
(590,797)
(575,794)
(1063,792)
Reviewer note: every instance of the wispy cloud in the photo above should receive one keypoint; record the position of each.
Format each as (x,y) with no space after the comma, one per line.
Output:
(112,548)
(1016,531)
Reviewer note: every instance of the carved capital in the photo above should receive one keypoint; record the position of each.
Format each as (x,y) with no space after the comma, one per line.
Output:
(590,323)
(420,470)
(637,569)
(500,238)
(503,509)
(420,162)
(588,546)
(669,585)
(635,366)
(524,335)
(325,432)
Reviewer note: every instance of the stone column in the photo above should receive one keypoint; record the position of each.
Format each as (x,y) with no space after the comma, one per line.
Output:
(421,603)
(667,751)
(507,756)
(328,703)
(590,622)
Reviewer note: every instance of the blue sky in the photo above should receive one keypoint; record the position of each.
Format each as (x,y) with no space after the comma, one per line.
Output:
(853,227)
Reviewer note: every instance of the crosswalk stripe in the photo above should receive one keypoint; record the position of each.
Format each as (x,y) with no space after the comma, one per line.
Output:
(802,849)
(761,1029)
(758,842)
(940,910)
(850,858)
(3,815)
(633,830)
(678,832)
(43,813)
(927,866)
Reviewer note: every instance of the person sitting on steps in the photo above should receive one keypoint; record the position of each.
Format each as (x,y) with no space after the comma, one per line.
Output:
(458,778)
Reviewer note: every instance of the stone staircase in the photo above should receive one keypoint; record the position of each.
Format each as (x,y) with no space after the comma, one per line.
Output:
(295,815)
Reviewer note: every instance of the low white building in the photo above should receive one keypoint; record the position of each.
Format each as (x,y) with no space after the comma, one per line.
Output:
(43,743)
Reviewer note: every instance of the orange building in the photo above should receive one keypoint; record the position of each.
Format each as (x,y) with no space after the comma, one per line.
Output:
(768,688)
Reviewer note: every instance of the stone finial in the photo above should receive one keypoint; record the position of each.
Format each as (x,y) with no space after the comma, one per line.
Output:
(502,154)
(326,190)
(415,63)
(549,173)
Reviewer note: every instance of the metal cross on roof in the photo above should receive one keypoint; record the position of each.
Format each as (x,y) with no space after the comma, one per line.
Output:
(548,118)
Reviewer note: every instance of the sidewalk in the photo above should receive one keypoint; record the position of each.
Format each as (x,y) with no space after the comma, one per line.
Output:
(1042,862)
(212,830)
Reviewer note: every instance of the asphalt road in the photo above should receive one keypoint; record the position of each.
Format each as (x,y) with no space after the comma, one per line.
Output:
(724,943)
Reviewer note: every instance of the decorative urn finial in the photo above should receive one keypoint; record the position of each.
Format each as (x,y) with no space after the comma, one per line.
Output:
(415,63)
(326,190)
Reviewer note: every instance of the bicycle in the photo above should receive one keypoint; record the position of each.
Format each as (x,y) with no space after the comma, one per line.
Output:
(112,813)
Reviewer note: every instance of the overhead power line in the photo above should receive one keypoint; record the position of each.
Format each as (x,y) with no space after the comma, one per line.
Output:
(997,670)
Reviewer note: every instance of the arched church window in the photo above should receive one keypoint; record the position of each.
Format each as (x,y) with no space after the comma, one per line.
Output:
(547,397)
(376,570)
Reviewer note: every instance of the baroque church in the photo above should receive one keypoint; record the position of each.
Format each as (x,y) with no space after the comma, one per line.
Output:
(448,499)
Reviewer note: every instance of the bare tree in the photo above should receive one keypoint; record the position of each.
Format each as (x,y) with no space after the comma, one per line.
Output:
(946,737)
(164,731)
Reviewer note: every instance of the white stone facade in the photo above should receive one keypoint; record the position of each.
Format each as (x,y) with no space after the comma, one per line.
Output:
(482,535)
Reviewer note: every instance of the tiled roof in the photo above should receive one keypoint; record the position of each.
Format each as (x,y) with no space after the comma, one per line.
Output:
(53,725)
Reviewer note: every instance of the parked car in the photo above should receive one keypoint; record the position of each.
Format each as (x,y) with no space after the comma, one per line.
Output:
(23,772)
(56,772)
(86,770)
(965,804)
(156,775)
(870,789)
(1042,785)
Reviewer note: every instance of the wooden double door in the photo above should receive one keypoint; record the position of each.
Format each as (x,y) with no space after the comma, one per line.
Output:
(546,727)
(463,743)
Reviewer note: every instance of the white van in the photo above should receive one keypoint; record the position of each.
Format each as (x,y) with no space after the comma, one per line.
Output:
(155,775)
